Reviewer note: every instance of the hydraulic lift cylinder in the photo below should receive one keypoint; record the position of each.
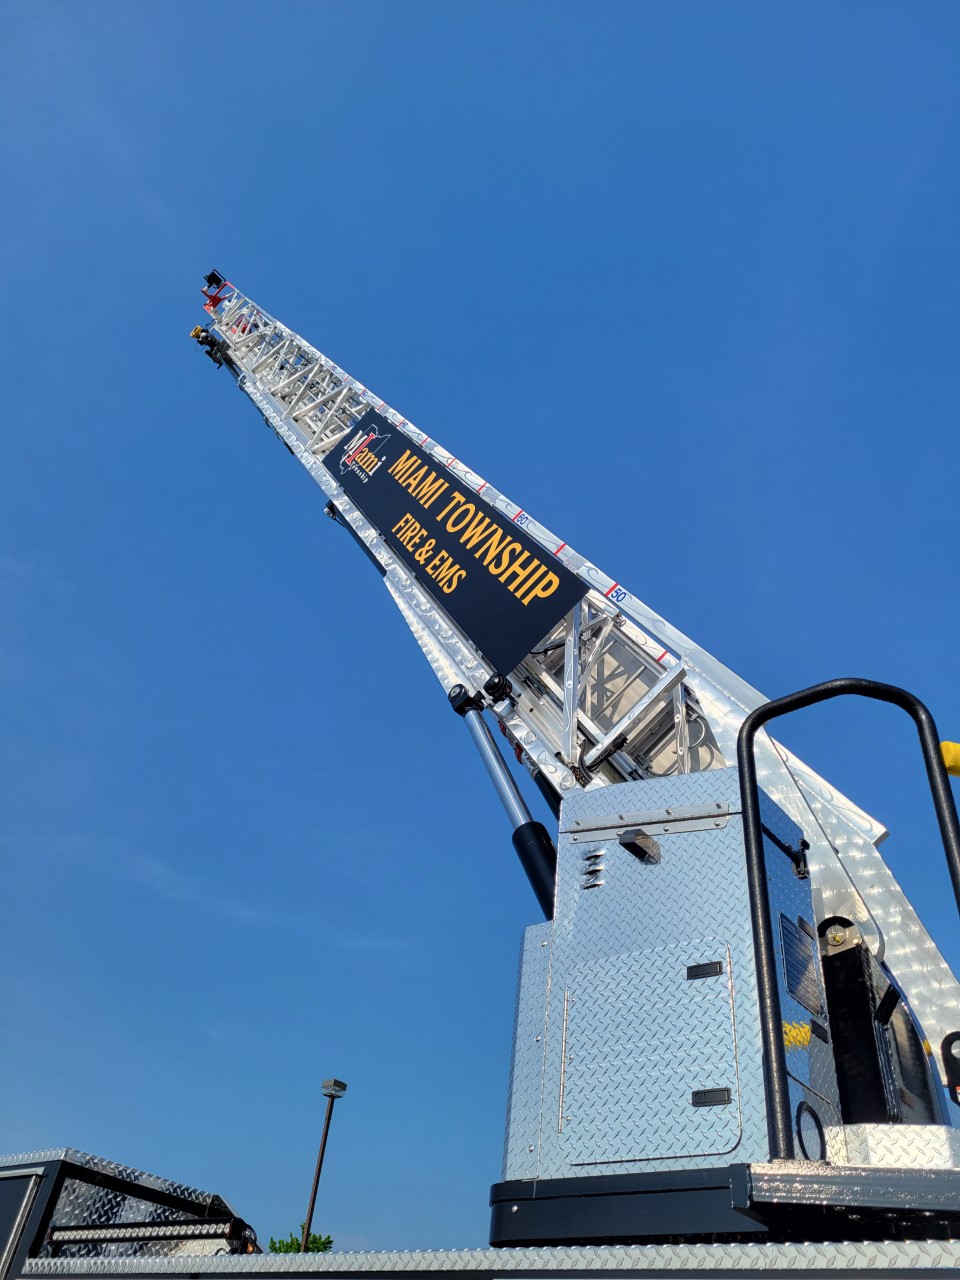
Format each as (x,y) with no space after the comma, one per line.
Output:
(535,849)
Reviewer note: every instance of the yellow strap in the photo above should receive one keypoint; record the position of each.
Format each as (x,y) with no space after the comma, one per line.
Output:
(951,757)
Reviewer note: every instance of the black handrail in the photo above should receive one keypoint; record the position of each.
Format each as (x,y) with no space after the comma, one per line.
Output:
(779,1118)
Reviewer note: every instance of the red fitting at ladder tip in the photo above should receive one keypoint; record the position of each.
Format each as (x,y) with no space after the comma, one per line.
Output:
(215,297)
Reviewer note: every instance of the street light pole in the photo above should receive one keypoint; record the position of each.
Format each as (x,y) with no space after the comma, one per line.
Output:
(332,1090)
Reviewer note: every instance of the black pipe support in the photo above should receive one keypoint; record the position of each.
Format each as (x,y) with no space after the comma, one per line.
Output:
(779,1117)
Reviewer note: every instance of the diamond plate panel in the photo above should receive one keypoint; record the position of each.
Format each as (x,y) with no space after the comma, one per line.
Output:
(524,1096)
(114,1169)
(894,1258)
(910,1192)
(836,1136)
(708,787)
(85,1203)
(812,1081)
(912,1146)
(902,942)
(687,906)
(639,1030)
(809,1057)
(627,1039)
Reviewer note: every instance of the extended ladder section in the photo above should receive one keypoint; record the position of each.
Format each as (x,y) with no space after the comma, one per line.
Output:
(608,697)
(630,731)
(611,691)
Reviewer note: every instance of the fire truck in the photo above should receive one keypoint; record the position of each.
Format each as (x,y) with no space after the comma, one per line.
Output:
(736,1047)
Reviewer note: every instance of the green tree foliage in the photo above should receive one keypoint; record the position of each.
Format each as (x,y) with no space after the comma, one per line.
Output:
(315,1243)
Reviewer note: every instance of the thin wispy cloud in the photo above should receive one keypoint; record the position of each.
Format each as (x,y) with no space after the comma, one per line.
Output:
(164,879)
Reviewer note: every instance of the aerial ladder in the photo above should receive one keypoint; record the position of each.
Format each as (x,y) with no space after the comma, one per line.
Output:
(731,1024)
(736,1047)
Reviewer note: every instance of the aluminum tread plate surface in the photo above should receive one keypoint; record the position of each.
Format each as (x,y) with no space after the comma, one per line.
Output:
(809,1060)
(111,1167)
(611,1086)
(909,951)
(708,787)
(606,1014)
(521,1155)
(807,1182)
(909,1146)
(883,1257)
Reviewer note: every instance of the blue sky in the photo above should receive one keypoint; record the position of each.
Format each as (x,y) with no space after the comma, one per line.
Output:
(680,279)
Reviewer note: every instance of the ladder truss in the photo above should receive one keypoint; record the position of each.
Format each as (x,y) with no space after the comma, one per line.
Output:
(614,692)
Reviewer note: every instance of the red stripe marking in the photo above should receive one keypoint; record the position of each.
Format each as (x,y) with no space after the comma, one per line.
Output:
(452,462)
(518,515)
(613,588)
(662,656)
(560,548)
(482,487)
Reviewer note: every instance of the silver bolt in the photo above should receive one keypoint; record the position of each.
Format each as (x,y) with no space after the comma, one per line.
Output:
(716,822)
(514,1207)
(537,1039)
(530,1148)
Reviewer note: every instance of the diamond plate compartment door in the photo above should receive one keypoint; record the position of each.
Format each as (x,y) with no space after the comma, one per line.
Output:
(650,1065)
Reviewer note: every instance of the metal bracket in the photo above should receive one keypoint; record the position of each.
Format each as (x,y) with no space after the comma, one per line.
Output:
(691,817)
